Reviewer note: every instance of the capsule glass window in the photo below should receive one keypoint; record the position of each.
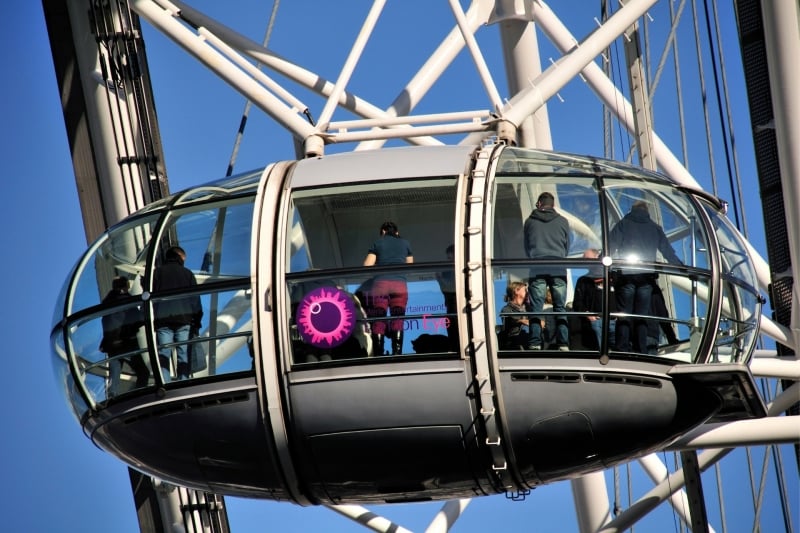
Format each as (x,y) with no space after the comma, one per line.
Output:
(341,309)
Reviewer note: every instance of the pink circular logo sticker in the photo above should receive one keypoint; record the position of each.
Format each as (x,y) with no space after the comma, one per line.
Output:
(326,317)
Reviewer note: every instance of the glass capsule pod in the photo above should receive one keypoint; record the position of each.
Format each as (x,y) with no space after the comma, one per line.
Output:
(318,358)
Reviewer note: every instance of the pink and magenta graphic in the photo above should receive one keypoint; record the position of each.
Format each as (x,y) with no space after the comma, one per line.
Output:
(326,317)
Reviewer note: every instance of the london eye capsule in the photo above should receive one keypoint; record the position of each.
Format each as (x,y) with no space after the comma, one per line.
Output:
(497,360)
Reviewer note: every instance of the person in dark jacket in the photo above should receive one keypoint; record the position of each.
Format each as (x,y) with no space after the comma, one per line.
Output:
(547,236)
(119,338)
(589,298)
(636,238)
(175,318)
(447,284)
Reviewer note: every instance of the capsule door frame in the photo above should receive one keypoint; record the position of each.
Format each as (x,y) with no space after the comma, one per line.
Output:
(266,253)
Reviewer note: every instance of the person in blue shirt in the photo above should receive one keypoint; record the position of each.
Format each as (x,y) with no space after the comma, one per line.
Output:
(389,291)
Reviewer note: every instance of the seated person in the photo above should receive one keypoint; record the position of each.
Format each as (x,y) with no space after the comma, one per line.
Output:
(548,323)
(516,330)
(658,330)
(589,299)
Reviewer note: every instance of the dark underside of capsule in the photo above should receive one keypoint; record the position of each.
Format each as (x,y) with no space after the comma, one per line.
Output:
(393,438)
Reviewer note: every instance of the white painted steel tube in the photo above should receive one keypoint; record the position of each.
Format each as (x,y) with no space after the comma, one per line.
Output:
(215,61)
(351,61)
(758,432)
(782,42)
(656,470)
(590,495)
(367,518)
(447,516)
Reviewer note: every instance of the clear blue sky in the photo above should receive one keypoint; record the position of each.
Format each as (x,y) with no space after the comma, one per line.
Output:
(54,478)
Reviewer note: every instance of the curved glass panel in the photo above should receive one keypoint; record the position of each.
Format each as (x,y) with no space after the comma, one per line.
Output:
(332,316)
(120,252)
(61,299)
(342,304)
(85,337)
(590,256)
(244,184)
(537,163)
(741,304)
(110,345)
(220,344)
(515,197)
(733,251)
(63,377)
(216,238)
(654,223)
(111,352)
(202,331)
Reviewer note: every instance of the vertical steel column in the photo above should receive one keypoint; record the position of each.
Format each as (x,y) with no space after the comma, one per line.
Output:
(523,64)
(782,41)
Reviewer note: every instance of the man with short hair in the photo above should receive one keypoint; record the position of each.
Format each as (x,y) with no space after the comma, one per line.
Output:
(175,317)
(547,236)
(637,238)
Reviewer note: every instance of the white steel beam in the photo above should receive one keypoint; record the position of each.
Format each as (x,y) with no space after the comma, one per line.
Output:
(668,163)
(447,516)
(759,432)
(523,64)
(658,494)
(766,367)
(214,60)
(782,41)
(656,470)
(368,519)
(438,61)
(590,495)
(297,74)
(351,62)
(569,66)
(477,56)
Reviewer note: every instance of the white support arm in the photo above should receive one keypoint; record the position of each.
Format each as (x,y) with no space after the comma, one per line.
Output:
(351,62)
(447,516)
(656,470)
(757,432)
(618,104)
(569,66)
(477,57)
(368,519)
(197,46)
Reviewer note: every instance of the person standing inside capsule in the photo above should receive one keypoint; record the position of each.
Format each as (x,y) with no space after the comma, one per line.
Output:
(636,238)
(175,317)
(547,236)
(389,291)
(119,338)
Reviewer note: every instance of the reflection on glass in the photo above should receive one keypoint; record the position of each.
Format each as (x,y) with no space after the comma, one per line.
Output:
(216,239)
(120,252)
(63,378)
(333,227)
(328,320)
(680,236)
(222,346)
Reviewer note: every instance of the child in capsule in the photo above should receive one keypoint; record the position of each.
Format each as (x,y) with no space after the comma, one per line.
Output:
(516,326)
